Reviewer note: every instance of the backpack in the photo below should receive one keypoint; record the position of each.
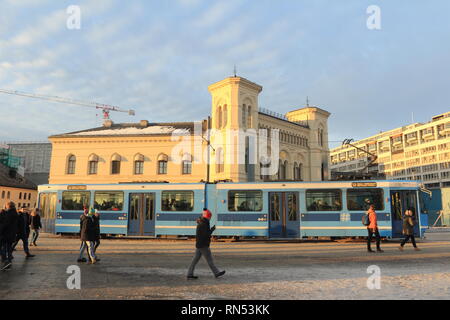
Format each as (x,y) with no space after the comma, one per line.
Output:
(365,219)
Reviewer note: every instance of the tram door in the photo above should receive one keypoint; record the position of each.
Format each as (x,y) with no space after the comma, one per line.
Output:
(47,206)
(400,202)
(141,214)
(284,217)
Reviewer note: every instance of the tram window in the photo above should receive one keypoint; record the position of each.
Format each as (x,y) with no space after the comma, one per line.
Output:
(43,205)
(177,201)
(244,200)
(360,199)
(324,200)
(75,200)
(108,201)
(292,207)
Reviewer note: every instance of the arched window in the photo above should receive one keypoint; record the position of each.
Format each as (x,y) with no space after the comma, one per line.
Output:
(163,159)
(29,196)
(20,195)
(9,195)
(115,164)
(219,161)
(282,170)
(138,164)
(285,170)
(320,136)
(3,194)
(225,116)
(71,163)
(219,117)
(247,154)
(244,116)
(249,117)
(295,171)
(93,164)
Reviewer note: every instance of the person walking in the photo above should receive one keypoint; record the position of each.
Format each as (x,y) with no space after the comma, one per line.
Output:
(87,236)
(23,231)
(372,229)
(408,230)
(203,240)
(2,234)
(35,225)
(9,221)
(96,218)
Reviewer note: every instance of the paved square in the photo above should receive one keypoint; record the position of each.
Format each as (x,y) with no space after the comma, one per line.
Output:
(156,269)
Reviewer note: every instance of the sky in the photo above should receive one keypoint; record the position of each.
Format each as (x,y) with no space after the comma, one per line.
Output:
(158,57)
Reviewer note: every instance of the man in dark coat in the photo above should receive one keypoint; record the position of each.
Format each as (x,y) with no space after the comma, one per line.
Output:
(203,240)
(87,236)
(9,221)
(23,231)
(36,225)
(96,218)
(2,227)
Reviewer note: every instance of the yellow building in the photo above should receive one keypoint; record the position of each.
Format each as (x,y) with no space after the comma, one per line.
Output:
(14,187)
(419,151)
(231,144)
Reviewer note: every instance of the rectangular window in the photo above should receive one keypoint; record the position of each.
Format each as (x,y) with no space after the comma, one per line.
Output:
(139,167)
(187,167)
(108,201)
(162,167)
(115,167)
(324,200)
(75,200)
(360,199)
(177,201)
(245,200)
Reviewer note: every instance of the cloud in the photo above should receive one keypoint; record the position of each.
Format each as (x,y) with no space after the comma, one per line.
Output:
(159,59)
(42,29)
(215,14)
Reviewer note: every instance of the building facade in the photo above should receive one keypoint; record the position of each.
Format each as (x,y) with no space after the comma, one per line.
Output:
(238,142)
(16,188)
(420,151)
(35,160)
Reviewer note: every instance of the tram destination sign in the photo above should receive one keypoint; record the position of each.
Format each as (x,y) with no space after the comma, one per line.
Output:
(77,187)
(363,184)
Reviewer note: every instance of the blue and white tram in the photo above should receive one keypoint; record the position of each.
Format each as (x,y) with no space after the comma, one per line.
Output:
(273,210)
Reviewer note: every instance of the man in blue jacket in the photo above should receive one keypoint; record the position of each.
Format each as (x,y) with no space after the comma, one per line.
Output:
(203,240)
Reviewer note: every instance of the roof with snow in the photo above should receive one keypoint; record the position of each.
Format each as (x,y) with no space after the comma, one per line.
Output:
(134,129)
(10,178)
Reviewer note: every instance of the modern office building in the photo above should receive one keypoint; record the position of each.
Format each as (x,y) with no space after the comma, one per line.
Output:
(419,151)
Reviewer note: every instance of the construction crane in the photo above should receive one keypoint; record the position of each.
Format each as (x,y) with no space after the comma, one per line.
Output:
(106,109)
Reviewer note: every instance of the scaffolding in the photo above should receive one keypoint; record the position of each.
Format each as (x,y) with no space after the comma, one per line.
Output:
(7,159)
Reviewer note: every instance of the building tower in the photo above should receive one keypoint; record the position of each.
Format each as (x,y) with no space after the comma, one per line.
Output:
(234,123)
(317,120)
